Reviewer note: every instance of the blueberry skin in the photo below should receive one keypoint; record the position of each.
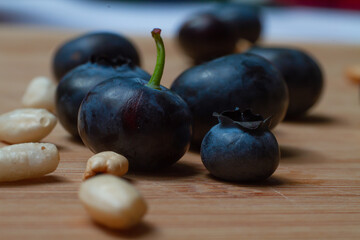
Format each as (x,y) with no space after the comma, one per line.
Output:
(244,19)
(233,153)
(151,128)
(79,50)
(214,33)
(78,82)
(301,73)
(204,37)
(246,81)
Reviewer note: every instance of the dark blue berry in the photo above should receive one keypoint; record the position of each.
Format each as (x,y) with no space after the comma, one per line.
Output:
(78,82)
(244,19)
(214,33)
(78,51)
(152,128)
(301,73)
(240,147)
(147,123)
(246,81)
(204,37)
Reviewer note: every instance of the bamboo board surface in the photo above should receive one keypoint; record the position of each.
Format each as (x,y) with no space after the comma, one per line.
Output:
(314,194)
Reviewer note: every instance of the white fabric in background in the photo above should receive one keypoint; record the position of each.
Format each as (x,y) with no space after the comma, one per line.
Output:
(280,24)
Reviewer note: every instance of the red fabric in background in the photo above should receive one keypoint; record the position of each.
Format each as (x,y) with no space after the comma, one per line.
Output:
(345,4)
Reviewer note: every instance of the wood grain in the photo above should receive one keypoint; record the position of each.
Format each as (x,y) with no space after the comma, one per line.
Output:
(314,194)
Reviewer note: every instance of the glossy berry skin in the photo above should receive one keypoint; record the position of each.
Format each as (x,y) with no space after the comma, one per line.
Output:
(240,149)
(214,33)
(78,51)
(301,73)
(150,127)
(246,81)
(204,37)
(243,19)
(78,82)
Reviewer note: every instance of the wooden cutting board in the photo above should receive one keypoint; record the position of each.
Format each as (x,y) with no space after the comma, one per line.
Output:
(314,194)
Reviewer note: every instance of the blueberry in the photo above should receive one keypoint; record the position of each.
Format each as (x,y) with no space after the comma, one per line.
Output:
(240,147)
(214,33)
(301,73)
(79,50)
(147,123)
(244,19)
(246,81)
(79,81)
(204,37)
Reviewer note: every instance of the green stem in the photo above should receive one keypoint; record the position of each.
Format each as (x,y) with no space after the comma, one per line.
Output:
(155,79)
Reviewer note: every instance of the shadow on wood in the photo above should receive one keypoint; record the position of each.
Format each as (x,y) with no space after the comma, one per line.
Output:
(194,148)
(178,170)
(74,140)
(291,154)
(140,230)
(270,182)
(313,119)
(70,139)
(48,179)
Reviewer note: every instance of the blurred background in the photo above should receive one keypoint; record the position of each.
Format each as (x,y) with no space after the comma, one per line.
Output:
(328,21)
